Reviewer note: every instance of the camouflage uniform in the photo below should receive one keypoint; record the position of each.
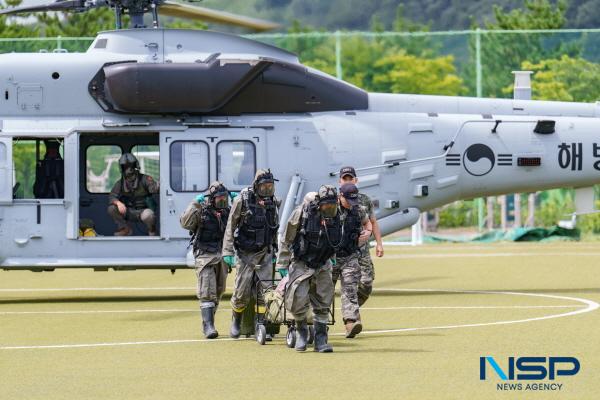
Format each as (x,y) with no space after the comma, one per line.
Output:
(307,286)
(248,263)
(347,270)
(211,271)
(134,196)
(367,271)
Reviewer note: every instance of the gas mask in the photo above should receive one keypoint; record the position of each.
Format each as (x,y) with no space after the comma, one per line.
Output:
(221,201)
(130,172)
(264,184)
(328,209)
(129,166)
(266,189)
(219,195)
(327,201)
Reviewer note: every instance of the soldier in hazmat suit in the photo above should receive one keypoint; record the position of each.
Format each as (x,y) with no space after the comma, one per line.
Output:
(206,218)
(251,236)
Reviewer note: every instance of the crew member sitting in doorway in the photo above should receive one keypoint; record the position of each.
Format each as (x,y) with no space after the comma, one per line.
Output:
(131,198)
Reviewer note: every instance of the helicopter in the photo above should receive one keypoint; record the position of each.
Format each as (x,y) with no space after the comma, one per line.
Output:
(201,106)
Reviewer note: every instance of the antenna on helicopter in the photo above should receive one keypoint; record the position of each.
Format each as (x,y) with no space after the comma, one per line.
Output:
(137,8)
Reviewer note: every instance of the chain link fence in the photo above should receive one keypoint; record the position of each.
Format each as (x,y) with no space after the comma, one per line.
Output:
(468,63)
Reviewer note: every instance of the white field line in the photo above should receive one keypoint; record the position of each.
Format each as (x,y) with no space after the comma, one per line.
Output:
(92,289)
(503,254)
(87,345)
(589,306)
(194,310)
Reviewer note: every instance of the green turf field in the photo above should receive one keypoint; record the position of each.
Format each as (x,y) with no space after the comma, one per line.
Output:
(437,308)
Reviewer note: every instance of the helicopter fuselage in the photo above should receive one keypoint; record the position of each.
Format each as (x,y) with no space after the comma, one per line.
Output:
(412,153)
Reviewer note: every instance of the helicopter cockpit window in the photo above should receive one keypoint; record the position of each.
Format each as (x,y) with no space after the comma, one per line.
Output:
(236,163)
(102,167)
(148,158)
(39,168)
(189,166)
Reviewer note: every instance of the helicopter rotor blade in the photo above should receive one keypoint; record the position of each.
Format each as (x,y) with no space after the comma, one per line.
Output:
(60,5)
(175,9)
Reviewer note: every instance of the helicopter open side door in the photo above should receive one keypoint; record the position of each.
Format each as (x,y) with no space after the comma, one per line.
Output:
(6,171)
(191,160)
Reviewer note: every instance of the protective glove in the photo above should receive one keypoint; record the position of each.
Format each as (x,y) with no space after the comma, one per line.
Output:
(200,198)
(233,195)
(283,272)
(333,261)
(229,260)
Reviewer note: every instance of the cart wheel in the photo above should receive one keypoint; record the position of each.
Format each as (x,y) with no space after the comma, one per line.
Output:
(261,334)
(290,337)
(311,334)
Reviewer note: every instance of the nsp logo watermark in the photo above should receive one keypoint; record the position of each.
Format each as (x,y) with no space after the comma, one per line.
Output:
(529,369)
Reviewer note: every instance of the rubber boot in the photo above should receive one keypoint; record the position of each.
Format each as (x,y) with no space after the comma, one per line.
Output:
(301,335)
(208,323)
(321,344)
(236,324)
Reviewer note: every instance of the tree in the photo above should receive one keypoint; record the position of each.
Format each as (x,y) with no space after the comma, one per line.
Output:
(11,28)
(84,24)
(399,64)
(564,79)
(504,52)
(537,14)
(380,63)
(405,73)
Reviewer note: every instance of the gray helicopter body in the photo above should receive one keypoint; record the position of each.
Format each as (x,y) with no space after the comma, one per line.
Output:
(413,153)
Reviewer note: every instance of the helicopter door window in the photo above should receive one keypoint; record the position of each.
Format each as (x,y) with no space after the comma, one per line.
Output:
(102,167)
(189,162)
(236,163)
(39,168)
(148,158)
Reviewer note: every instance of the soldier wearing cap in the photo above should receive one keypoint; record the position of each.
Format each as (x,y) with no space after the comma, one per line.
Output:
(206,218)
(311,237)
(367,271)
(347,269)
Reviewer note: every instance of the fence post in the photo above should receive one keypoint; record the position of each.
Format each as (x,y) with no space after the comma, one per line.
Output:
(58,42)
(481,201)
(490,212)
(480,213)
(478,62)
(531,214)
(338,55)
